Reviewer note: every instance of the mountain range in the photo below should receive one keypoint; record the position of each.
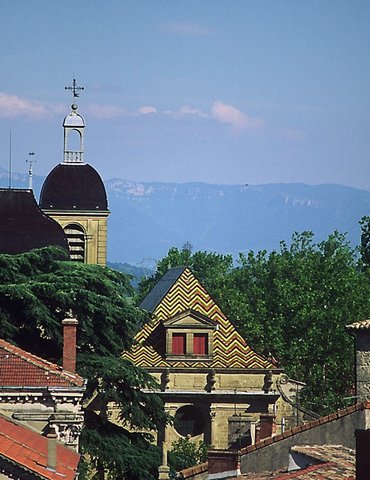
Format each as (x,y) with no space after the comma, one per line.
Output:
(148,218)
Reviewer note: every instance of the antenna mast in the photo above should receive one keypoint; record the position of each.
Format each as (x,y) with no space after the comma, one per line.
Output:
(10,159)
(31,161)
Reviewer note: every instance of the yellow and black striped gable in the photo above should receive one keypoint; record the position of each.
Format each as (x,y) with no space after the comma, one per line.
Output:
(177,292)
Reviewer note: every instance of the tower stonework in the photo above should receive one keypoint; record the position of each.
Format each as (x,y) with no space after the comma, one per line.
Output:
(361,332)
(74,195)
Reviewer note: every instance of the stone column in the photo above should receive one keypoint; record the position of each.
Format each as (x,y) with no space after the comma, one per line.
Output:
(164,469)
(212,417)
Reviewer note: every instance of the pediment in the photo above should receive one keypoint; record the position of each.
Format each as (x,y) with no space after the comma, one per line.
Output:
(190,318)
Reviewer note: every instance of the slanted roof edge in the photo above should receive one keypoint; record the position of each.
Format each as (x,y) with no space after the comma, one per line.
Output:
(160,289)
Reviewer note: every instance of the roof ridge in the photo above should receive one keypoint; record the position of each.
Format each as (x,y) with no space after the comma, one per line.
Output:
(40,362)
(306,426)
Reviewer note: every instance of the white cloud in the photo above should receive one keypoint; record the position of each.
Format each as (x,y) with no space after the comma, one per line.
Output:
(13,106)
(185,28)
(225,113)
(186,110)
(146,110)
(105,112)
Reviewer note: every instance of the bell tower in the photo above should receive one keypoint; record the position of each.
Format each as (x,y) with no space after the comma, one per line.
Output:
(74,195)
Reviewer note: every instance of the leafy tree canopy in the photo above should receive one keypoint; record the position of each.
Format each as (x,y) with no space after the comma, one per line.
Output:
(293,304)
(185,454)
(37,289)
(365,242)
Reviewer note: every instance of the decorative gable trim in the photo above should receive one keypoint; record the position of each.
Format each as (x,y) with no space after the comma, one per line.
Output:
(199,320)
(177,292)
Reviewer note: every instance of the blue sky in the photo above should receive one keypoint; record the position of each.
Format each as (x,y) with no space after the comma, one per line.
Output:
(218,91)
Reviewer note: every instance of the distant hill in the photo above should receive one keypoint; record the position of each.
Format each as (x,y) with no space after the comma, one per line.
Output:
(149,218)
(136,273)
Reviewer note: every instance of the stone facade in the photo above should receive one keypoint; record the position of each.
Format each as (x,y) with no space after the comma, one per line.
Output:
(94,228)
(40,394)
(212,382)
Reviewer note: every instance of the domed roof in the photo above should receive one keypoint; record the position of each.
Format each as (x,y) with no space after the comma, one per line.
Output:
(73,187)
(74,119)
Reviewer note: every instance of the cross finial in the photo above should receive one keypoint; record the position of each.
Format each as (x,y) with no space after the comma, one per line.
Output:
(75,89)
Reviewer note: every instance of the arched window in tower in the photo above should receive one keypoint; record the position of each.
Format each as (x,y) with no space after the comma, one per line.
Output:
(76,242)
(73,150)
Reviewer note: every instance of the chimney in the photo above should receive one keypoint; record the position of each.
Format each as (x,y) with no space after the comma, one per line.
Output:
(362,454)
(69,344)
(361,331)
(223,464)
(52,449)
(266,425)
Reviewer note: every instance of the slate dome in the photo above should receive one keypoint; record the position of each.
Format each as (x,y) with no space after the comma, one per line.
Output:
(73,187)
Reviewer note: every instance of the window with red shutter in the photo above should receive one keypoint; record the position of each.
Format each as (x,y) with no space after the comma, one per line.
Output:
(200,346)
(178,343)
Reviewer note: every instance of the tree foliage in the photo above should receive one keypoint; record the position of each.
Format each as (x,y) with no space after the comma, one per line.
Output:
(185,454)
(365,243)
(37,290)
(293,304)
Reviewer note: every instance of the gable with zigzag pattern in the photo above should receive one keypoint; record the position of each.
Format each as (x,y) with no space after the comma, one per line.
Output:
(185,292)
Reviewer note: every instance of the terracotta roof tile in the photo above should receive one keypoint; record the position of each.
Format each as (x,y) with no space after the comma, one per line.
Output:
(19,368)
(28,449)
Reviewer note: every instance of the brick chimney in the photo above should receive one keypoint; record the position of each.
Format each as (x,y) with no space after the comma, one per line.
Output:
(69,344)
(266,426)
(223,464)
(52,449)
(362,454)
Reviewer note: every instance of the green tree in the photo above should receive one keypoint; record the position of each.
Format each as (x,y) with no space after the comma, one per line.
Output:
(185,454)
(295,303)
(211,269)
(37,289)
(292,304)
(365,242)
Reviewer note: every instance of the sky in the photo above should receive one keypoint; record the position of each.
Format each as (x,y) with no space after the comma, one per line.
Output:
(216,91)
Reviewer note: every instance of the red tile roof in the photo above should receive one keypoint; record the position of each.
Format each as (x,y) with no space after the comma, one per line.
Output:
(19,368)
(337,463)
(28,449)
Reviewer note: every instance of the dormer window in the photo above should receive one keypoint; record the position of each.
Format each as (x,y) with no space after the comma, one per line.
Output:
(200,344)
(189,336)
(178,343)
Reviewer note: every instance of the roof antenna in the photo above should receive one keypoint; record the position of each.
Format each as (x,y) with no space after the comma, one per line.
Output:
(30,161)
(10,159)
(187,249)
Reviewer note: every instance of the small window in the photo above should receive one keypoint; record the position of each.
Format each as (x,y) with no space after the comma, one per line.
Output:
(200,346)
(178,343)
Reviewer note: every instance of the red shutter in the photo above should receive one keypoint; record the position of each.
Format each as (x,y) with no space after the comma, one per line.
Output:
(178,343)
(200,346)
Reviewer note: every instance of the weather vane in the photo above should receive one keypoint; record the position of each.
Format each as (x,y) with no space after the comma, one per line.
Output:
(75,89)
